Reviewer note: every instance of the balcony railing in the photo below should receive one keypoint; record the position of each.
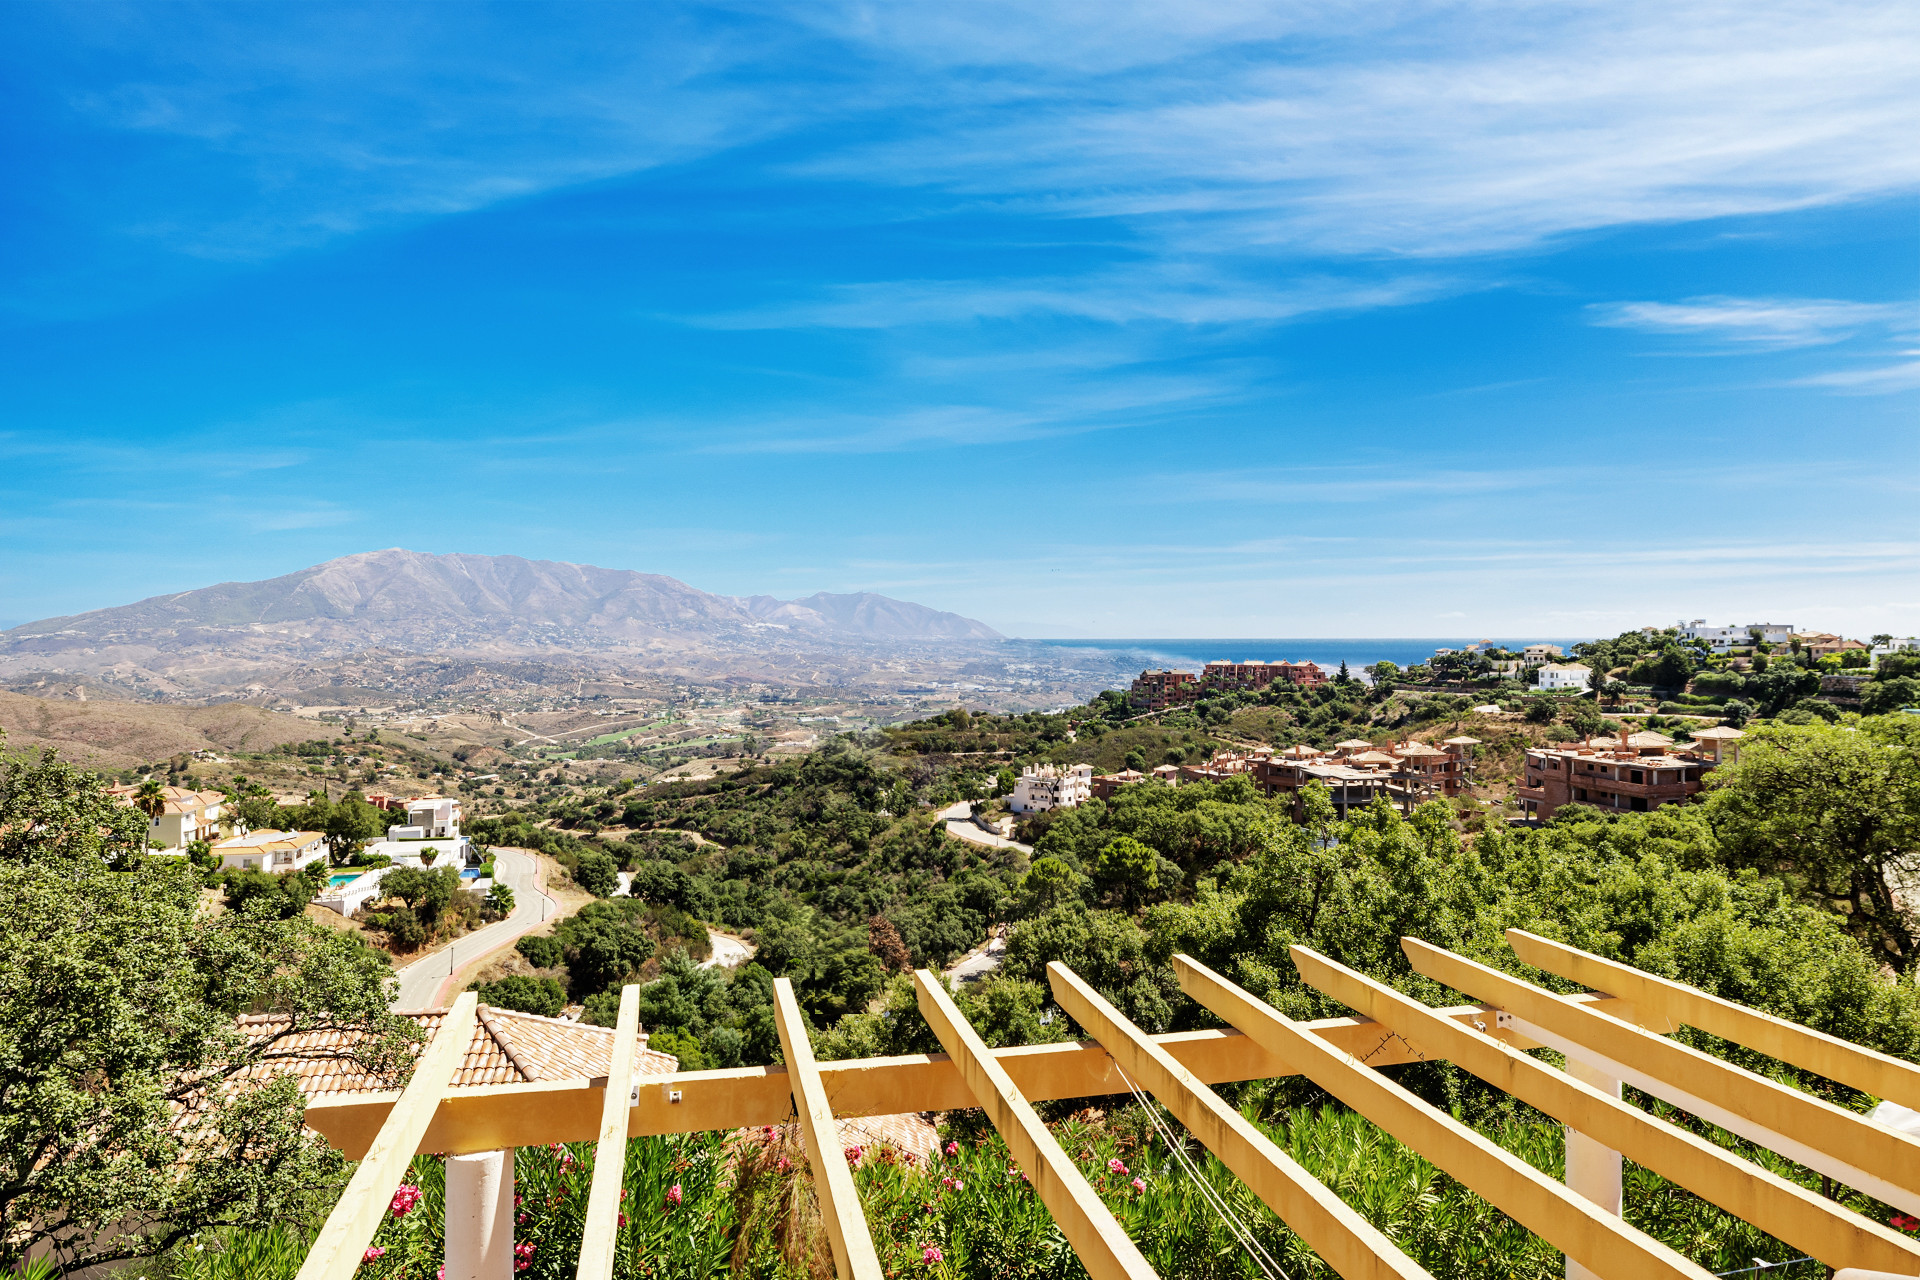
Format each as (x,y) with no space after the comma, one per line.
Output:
(1607,1040)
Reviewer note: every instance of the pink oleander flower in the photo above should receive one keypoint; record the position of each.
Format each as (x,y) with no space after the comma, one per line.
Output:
(373,1253)
(854,1154)
(783,1164)
(1139,1185)
(404,1199)
(623,1219)
(953,1148)
(673,1195)
(931,1254)
(1115,1166)
(1901,1222)
(441,1274)
(522,1256)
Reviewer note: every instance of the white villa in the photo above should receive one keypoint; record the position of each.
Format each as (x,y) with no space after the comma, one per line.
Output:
(432,825)
(1724,640)
(274,851)
(185,816)
(1047,787)
(1565,675)
(1896,645)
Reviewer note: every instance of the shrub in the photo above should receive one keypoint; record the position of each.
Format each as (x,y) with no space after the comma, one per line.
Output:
(1882,696)
(285,895)
(541,952)
(544,996)
(597,874)
(499,903)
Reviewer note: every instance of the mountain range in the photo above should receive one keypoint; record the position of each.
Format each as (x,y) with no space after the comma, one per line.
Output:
(402,602)
(418,599)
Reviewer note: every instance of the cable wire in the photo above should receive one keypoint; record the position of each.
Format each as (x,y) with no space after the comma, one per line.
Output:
(1241,1232)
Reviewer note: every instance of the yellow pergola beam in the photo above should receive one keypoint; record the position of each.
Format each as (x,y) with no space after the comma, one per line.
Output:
(853,1254)
(1587,1234)
(1103,1247)
(602,1227)
(1348,1243)
(1880,1161)
(496,1117)
(349,1229)
(1788,1212)
(1850,1064)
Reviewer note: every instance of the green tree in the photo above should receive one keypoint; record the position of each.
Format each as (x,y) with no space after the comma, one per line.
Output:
(1049,883)
(596,873)
(499,900)
(605,944)
(425,890)
(260,813)
(1128,867)
(118,1004)
(1836,814)
(1583,717)
(151,798)
(1541,711)
(282,896)
(348,824)
(1883,696)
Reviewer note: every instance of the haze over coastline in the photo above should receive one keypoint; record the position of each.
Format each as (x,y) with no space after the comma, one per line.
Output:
(1356,652)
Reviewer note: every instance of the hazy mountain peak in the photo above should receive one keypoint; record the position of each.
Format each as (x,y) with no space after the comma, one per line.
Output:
(421,601)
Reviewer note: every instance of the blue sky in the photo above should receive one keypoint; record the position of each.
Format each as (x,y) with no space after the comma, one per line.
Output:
(1202,319)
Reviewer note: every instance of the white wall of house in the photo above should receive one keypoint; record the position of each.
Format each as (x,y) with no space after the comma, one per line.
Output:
(1557,675)
(1046,787)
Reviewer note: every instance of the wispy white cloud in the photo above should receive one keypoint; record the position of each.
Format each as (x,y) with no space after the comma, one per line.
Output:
(1882,380)
(1766,323)
(1155,293)
(1415,129)
(1428,130)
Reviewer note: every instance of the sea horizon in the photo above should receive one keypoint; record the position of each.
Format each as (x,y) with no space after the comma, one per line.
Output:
(1356,651)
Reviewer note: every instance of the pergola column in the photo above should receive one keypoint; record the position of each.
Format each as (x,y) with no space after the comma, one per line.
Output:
(480,1216)
(1593,1169)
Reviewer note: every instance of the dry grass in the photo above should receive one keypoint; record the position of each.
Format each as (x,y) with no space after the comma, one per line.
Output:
(117,734)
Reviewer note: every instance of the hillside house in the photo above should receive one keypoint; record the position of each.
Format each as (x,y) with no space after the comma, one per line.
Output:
(1639,775)
(1158,690)
(274,851)
(185,816)
(1047,787)
(1563,676)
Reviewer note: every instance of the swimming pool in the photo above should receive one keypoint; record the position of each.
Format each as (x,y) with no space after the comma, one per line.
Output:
(339,878)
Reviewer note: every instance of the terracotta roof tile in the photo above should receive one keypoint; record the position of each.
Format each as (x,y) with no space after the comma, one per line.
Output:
(508,1047)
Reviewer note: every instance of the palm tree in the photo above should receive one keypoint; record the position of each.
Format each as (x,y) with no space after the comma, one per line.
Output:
(151,799)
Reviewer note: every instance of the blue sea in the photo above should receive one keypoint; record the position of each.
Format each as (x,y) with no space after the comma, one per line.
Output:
(1358,652)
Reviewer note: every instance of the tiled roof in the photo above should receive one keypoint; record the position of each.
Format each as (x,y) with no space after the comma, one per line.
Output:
(177,799)
(273,841)
(508,1047)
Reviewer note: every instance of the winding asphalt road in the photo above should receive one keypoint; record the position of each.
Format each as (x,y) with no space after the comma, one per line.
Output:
(422,981)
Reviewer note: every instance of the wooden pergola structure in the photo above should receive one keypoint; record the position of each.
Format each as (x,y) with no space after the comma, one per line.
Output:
(1607,1040)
